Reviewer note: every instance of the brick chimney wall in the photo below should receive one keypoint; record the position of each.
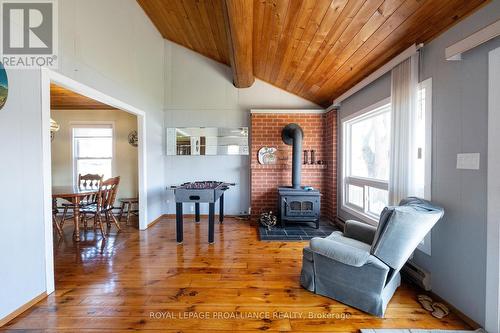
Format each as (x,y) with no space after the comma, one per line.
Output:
(320,134)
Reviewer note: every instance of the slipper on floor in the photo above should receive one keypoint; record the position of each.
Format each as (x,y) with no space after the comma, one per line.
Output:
(440,310)
(426,302)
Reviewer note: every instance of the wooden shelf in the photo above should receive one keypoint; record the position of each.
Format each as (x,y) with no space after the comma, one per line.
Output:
(288,166)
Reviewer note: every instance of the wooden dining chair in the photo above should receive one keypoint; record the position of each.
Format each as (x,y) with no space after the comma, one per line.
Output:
(88,181)
(54,218)
(104,205)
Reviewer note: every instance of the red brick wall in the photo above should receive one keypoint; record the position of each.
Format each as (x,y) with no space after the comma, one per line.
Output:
(330,176)
(320,134)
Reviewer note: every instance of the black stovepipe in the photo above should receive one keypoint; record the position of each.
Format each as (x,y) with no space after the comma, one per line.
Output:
(292,135)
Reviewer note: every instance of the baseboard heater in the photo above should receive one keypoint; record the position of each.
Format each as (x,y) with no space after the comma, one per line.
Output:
(417,275)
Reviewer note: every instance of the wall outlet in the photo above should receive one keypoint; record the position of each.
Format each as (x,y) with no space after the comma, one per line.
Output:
(468,161)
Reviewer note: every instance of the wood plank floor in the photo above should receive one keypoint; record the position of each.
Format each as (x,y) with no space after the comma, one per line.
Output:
(142,280)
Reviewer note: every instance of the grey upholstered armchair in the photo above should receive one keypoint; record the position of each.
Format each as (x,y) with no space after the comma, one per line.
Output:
(360,267)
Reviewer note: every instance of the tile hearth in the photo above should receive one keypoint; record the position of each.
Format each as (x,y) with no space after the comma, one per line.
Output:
(297,232)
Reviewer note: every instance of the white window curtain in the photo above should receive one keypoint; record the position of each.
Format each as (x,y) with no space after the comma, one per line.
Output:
(403,101)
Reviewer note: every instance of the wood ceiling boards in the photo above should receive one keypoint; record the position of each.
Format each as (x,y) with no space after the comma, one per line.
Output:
(317,49)
(64,99)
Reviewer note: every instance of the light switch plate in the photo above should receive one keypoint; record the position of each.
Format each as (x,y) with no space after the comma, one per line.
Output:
(468,161)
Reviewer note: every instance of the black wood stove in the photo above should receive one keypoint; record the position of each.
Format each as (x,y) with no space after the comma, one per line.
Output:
(297,203)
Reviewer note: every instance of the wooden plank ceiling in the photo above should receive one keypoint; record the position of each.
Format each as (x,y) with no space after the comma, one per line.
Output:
(316,49)
(64,99)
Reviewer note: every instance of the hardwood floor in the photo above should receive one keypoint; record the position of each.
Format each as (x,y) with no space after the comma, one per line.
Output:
(145,281)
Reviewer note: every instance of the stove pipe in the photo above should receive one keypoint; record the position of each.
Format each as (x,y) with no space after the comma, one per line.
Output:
(292,134)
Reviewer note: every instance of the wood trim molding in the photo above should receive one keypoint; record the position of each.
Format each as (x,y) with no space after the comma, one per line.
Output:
(191,216)
(454,52)
(286,111)
(22,309)
(238,15)
(492,317)
(453,309)
(158,219)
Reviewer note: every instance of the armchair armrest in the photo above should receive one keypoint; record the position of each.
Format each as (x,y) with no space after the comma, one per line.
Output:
(340,252)
(360,231)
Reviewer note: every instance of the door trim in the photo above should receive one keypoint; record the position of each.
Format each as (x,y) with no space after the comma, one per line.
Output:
(492,318)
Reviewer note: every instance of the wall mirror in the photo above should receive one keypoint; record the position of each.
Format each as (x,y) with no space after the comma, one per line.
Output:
(207,141)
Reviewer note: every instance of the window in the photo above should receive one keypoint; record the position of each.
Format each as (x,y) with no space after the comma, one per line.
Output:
(366,157)
(93,150)
(367,139)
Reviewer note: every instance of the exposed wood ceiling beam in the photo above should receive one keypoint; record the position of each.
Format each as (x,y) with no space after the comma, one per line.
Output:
(316,49)
(238,16)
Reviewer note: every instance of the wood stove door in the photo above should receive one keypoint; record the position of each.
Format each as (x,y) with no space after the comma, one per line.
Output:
(301,206)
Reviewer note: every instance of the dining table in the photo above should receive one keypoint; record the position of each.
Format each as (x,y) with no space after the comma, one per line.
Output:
(74,195)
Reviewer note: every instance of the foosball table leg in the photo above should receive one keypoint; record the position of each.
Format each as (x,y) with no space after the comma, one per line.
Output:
(197,212)
(179,222)
(211,218)
(221,209)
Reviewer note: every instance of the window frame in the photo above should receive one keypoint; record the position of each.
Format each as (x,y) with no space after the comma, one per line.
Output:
(425,245)
(360,212)
(427,84)
(91,124)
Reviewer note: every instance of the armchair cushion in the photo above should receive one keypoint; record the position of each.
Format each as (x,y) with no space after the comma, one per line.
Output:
(360,231)
(402,228)
(340,252)
(345,250)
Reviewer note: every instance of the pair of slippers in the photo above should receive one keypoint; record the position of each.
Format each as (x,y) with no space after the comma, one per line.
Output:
(438,310)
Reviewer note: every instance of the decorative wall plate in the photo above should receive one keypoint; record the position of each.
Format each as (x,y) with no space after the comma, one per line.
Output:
(267,155)
(133,138)
(4,86)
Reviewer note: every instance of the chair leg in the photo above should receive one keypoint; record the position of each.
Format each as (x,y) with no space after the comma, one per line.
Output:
(108,222)
(84,217)
(58,227)
(122,207)
(115,221)
(129,208)
(63,219)
(99,219)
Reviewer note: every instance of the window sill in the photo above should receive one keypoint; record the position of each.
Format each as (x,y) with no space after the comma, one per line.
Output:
(363,217)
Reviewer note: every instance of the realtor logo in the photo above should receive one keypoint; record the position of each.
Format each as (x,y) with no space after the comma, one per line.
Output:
(29,38)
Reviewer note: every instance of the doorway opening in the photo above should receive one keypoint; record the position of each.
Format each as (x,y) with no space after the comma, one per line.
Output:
(93,169)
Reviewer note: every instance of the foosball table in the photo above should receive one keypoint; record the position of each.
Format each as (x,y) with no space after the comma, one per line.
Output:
(199,192)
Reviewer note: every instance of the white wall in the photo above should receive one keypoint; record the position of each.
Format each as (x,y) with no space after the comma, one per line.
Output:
(125,155)
(113,47)
(199,92)
(22,260)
